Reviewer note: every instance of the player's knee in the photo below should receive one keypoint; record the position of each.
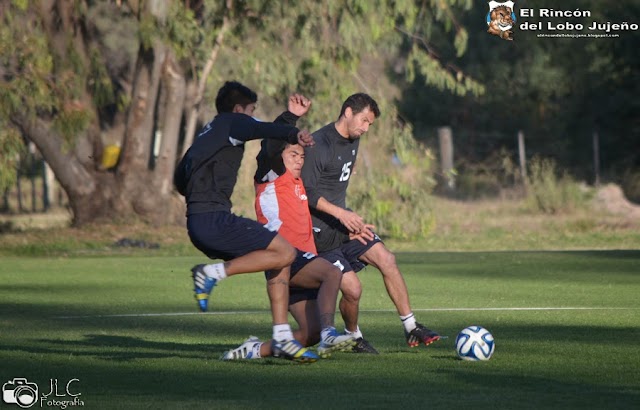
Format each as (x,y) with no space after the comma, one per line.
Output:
(334,273)
(286,255)
(352,291)
(290,255)
(387,260)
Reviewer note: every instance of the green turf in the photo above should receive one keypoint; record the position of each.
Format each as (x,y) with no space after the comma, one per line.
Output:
(55,323)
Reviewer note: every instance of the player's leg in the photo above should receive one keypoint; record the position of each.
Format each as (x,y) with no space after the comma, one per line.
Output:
(283,343)
(244,244)
(305,313)
(317,273)
(351,289)
(247,247)
(384,260)
(304,310)
(320,274)
(349,302)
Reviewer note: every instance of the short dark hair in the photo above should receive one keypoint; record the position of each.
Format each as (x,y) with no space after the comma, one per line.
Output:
(232,93)
(358,102)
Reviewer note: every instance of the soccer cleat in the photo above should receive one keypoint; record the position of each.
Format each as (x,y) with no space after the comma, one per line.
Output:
(334,342)
(293,350)
(362,346)
(202,286)
(244,351)
(421,334)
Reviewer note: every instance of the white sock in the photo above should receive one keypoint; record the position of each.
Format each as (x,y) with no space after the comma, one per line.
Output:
(409,322)
(215,271)
(357,334)
(282,332)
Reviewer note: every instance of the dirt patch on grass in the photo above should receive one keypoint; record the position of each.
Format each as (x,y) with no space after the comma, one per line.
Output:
(610,198)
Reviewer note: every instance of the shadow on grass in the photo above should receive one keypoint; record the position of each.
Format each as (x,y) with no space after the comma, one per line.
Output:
(370,381)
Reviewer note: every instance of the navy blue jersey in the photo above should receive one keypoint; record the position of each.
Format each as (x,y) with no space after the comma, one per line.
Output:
(326,172)
(208,172)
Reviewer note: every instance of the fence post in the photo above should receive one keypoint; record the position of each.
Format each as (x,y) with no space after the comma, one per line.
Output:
(445,137)
(596,157)
(522,157)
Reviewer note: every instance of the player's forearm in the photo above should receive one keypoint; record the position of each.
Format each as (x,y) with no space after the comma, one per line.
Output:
(287,117)
(244,128)
(327,207)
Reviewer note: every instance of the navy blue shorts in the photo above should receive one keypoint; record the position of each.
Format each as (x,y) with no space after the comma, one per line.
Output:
(223,235)
(346,256)
(300,294)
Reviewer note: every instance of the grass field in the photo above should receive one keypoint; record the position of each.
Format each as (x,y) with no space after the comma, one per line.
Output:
(566,325)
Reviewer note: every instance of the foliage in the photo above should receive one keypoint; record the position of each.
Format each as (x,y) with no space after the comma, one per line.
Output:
(485,177)
(558,91)
(393,183)
(322,49)
(631,185)
(548,193)
(11,146)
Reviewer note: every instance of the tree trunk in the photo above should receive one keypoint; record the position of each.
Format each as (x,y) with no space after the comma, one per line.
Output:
(193,105)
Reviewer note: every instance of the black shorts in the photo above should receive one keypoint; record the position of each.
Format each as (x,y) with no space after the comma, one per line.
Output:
(300,294)
(223,235)
(346,256)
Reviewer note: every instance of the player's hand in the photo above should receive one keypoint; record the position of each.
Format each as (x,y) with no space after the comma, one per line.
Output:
(365,236)
(351,220)
(305,139)
(298,104)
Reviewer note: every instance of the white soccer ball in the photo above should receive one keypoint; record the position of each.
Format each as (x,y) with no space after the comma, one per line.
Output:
(475,343)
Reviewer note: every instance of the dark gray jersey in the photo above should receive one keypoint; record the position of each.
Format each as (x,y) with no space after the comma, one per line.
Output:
(327,169)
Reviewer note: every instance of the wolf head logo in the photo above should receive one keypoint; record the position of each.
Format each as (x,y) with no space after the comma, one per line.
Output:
(501,19)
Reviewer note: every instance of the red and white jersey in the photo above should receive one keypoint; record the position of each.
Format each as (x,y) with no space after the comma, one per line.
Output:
(282,206)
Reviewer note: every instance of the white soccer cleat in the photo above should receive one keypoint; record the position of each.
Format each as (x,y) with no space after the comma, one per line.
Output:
(249,349)
(335,342)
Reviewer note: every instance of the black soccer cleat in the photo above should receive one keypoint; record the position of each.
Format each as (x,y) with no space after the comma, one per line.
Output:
(362,346)
(421,335)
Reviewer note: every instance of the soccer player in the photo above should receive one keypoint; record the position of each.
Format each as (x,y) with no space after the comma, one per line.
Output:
(341,235)
(281,205)
(206,176)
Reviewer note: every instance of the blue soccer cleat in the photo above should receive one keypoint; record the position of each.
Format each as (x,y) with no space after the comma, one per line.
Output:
(202,286)
(293,350)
